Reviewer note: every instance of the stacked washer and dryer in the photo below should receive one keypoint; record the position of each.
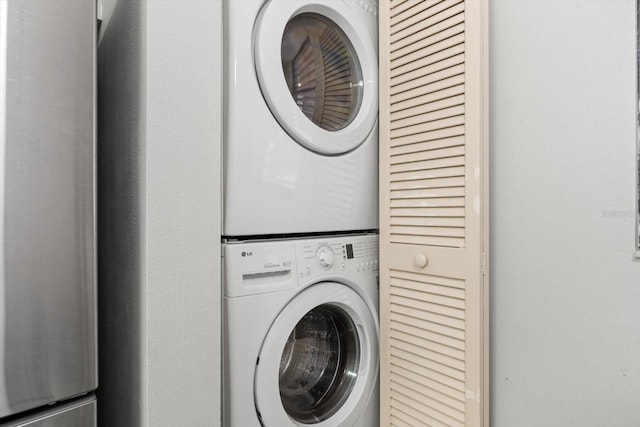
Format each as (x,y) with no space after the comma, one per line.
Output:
(300,213)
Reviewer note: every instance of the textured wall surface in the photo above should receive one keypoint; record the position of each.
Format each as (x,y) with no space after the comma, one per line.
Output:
(121,210)
(183,203)
(565,291)
(159,143)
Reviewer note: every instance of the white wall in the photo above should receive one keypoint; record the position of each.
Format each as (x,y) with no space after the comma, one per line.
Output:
(159,192)
(184,98)
(565,291)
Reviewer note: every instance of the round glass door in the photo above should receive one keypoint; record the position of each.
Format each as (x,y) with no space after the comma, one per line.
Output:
(322,71)
(319,364)
(317,69)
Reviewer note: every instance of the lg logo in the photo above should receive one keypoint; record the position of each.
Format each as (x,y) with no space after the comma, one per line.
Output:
(247,253)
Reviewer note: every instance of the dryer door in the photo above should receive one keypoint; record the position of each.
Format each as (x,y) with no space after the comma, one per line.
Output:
(319,361)
(317,68)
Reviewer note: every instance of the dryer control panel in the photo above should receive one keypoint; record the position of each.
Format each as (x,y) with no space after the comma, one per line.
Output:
(348,255)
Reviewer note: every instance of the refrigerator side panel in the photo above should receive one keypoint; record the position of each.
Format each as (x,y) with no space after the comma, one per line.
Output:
(47,203)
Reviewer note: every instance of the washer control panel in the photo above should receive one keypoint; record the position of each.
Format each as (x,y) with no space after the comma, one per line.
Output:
(252,268)
(351,255)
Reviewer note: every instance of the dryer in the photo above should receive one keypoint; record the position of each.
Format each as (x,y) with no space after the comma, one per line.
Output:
(301,332)
(300,119)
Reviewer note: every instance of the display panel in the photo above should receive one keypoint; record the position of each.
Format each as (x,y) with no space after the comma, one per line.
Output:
(349,248)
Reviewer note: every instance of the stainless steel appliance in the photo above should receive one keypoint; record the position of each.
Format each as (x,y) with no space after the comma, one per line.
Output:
(47,213)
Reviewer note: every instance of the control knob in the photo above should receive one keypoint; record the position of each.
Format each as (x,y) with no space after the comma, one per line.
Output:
(325,257)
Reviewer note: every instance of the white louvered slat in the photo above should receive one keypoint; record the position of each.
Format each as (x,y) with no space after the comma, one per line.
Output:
(399,422)
(421,310)
(441,40)
(441,363)
(445,395)
(399,177)
(433,178)
(416,96)
(425,372)
(432,132)
(427,415)
(427,338)
(435,241)
(435,202)
(422,58)
(432,144)
(427,221)
(437,163)
(409,8)
(429,212)
(406,27)
(452,353)
(435,61)
(449,282)
(400,407)
(456,181)
(399,6)
(437,410)
(446,107)
(428,89)
(422,96)
(430,193)
(415,123)
(421,360)
(435,23)
(436,80)
(439,306)
(438,153)
(418,129)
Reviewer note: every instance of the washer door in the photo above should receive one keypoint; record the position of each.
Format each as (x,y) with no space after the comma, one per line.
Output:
(317,68)
(319,361)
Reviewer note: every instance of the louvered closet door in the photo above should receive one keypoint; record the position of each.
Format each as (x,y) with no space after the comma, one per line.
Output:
(433,208)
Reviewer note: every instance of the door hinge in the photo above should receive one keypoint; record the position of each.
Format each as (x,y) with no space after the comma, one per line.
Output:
(484,264)
(99,10)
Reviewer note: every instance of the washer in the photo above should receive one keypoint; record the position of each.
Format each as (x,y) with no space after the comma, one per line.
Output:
(301,332)
(301,108)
